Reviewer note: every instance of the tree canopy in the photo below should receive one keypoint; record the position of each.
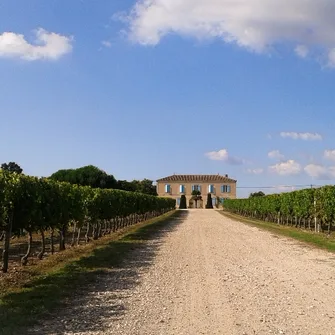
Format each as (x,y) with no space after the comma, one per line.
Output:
(11,167)
(94,177)
(257,194)
(86,176)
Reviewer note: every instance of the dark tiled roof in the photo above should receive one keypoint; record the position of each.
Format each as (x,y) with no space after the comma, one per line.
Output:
(197,178)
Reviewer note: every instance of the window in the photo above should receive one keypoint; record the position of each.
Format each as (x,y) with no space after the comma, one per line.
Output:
(225,188)
(210,188)
(196,188)
(182,188)
(167,188)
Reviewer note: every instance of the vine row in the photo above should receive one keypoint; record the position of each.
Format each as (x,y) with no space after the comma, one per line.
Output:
(308,208)
(36,205)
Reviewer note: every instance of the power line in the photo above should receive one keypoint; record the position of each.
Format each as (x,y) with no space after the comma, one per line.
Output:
(279,186)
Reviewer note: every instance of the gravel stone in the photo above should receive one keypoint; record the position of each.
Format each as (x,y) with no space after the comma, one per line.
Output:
(207,274)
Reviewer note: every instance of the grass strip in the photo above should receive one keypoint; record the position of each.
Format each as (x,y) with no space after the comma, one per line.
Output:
(311,238)
(52,284)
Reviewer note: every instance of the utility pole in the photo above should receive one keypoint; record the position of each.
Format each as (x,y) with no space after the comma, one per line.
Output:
(315,220)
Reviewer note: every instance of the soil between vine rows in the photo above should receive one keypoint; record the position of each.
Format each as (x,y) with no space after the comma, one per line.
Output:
(207,274)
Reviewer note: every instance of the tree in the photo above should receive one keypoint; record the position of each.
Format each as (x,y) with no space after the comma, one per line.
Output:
(11,167)
(196,195)
(96,178)
(146,187)
(86,176)
(209,201)
(257,194)
(125,185)
(183,204)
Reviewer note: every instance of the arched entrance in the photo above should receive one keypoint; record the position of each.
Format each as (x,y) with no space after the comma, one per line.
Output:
(196,202)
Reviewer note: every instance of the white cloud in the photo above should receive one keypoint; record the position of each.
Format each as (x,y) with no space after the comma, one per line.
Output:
(320,172)
(329,154)
(301,51)
(47,45)
(255,171)
(301,136)
(275,154)
(223,155)
(331,58)
(285,188)
(106,44)
(289,167)
(257,25)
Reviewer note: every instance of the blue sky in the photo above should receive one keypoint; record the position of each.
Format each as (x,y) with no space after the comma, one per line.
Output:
(148,89)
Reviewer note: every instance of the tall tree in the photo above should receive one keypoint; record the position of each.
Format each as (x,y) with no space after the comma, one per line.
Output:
(11,167)
(257,194)
(209,201)
(125,185)
(94,177)
(86,176)
(183,204)
(146,187)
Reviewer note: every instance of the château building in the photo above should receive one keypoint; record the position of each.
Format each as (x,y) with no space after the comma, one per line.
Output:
(220,187)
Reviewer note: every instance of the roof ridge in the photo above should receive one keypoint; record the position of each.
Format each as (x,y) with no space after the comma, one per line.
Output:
(197,177)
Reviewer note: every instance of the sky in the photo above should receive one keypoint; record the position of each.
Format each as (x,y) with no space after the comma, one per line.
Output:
(149,88)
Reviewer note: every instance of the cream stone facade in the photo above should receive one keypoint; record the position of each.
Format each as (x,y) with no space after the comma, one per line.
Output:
(220,187)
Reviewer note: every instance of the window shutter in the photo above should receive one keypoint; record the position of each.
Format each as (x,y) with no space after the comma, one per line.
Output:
(199,188)
(192,188)
(228,188)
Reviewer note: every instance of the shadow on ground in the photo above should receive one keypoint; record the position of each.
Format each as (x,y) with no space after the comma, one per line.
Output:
(96,286)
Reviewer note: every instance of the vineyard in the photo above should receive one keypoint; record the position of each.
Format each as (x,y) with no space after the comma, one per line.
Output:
(31,206)
(308,208)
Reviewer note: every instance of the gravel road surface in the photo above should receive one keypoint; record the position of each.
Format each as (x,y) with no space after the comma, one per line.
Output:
(207,274)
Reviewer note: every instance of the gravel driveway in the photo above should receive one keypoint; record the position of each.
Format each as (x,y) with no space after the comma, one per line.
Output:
(208,274)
